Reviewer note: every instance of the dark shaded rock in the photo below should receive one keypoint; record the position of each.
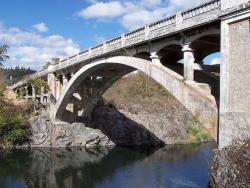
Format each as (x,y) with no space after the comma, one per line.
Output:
(120,129)
(230,166)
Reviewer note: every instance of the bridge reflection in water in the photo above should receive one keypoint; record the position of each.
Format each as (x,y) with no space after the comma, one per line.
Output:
(170,166)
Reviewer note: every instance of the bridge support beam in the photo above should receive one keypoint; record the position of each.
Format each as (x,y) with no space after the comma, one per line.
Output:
(65,81)
(42,95)
(52,97)
(58,87)
(188,62)
(235,67)
(33,93)
(26,93)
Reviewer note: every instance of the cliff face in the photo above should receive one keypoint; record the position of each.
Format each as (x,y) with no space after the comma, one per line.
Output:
(230,166)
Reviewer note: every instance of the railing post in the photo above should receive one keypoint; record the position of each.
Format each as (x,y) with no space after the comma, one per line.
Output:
(123,40)
(147,31)
(90,52)
(104,46)
(178,20)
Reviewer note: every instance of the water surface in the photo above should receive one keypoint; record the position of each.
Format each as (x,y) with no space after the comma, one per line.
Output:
(107,167)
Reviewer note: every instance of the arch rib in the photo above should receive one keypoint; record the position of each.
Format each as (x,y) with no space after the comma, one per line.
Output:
(199,103)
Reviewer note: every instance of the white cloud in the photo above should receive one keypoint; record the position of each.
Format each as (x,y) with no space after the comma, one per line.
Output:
(140,18)
(216,61)
(34,50)
(136,13)
(41,27)
(101,9)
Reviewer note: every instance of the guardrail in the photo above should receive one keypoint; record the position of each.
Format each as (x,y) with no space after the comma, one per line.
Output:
(202,9)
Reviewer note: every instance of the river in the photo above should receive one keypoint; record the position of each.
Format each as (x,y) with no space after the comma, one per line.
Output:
(107,167)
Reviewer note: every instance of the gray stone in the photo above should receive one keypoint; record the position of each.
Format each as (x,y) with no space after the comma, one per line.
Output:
(230,166)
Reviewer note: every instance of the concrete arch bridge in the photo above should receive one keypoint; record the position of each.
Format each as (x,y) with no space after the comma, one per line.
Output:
(172,51)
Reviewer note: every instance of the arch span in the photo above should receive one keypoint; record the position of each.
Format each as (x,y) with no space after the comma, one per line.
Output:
(201,104)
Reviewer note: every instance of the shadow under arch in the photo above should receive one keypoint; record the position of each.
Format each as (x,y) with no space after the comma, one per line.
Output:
(204,46)
(143,55)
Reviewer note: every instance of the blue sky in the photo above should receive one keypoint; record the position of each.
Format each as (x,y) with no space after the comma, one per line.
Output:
(37,30)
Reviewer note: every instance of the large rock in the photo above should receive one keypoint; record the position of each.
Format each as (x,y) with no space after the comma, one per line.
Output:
(45,134)
(168,122)
(230,167)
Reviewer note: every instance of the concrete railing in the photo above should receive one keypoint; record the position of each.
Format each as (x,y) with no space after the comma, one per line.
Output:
(149,32)
(163,23)
(144,32)
(202,9)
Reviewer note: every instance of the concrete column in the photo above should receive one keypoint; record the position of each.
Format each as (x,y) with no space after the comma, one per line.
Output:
(26,93)
(155,58)
(52,84)
(58,87)
(42,95)
(33,93)
(188,62)
(52,96)
(65,81)
(234,117)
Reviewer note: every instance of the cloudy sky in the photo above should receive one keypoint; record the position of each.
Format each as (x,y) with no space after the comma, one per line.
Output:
(37,30)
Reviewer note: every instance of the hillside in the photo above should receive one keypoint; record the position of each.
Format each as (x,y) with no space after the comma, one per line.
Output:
(16,73)
(144,101)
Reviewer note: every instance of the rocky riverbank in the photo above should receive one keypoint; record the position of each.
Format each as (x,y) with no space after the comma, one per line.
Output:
(109,127)
(230,166)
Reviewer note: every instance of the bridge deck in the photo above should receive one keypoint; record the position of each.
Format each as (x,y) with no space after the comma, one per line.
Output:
(203,14)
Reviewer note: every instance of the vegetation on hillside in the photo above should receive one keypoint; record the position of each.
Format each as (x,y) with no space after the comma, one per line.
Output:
(13,128)
(136,88)
(13,75)
(138,94)
(38,84)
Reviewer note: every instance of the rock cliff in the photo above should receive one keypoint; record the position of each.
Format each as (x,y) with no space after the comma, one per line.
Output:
(230,166)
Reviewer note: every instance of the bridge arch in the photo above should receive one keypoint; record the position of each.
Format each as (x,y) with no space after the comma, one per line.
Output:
(170,56)
(204,46)
(199,103)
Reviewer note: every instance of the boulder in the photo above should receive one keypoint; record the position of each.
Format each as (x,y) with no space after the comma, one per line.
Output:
(230,167)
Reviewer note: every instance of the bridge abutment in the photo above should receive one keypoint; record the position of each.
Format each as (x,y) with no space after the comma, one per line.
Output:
(235,67)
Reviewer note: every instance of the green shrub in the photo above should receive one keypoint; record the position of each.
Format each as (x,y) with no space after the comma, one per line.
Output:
(3,88)
(12,125)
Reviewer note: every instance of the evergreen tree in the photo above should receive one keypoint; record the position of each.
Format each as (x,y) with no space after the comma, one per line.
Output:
(3,54)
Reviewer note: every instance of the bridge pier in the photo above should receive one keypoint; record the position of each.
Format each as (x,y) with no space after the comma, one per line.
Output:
(235,68)
(188,62)
(58,87)
(65,81)
(52,96)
